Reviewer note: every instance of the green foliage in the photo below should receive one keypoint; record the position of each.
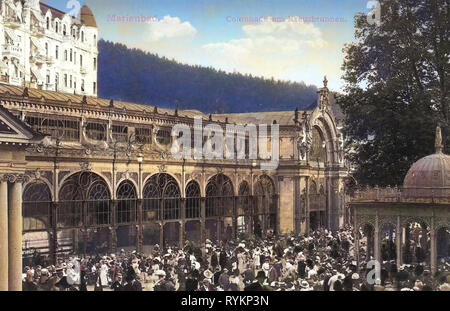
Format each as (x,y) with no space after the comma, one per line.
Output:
(397,89)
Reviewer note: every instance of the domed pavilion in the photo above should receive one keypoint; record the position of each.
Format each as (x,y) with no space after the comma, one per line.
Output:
(413,220)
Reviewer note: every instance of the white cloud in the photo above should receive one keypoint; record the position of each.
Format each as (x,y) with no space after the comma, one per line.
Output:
(284,50)
(169,28)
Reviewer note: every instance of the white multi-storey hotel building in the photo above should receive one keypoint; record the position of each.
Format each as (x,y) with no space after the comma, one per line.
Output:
(47,49)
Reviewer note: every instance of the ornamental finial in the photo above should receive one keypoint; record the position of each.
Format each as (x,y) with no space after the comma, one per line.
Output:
(325,82)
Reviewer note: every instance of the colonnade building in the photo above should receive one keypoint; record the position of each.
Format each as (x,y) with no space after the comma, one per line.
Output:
(96,175)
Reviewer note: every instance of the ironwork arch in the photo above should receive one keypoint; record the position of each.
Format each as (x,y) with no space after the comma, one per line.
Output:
(84,189)
(161,198)
(127,204)
(244,199)
(219,194)
(84,186)
(36,206)
(193,196)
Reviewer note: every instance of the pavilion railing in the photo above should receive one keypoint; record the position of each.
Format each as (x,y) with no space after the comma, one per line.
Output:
(393,194)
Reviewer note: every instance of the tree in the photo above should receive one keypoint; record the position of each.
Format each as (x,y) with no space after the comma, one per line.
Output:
(397,89)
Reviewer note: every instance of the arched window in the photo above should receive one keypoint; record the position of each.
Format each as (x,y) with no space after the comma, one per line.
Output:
(193,200)
(48,22)
(318,148)
(57,27)
(126,207)
(36,206)
(161,198)
(244,208)
(84,189)
(267,207)
(64,30)
(219,196)
(82,36)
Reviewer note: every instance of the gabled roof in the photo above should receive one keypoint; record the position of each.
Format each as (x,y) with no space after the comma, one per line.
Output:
(15,132)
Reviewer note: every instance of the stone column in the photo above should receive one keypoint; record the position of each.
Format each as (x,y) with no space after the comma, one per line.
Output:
(203,224)
(235,217)
(3,236)
(161,236)
(377,241)
(15,237)
(433,259)
(356,233)
(307,208)
(183,223)
(140,234)
(398,241)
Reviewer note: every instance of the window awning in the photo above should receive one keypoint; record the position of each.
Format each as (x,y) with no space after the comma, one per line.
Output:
(35,72)
(11,34)
(38,16)
(37,44)
(15,9)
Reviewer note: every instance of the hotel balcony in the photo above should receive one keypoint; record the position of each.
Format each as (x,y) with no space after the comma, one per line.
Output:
(49,86)
(12,51)
(38,59)
(38,31)
(15,81)
(11,22)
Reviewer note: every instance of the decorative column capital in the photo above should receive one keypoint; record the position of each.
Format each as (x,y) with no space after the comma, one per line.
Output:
(15,178)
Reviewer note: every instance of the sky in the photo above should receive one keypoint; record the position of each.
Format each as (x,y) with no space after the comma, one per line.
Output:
(295,40)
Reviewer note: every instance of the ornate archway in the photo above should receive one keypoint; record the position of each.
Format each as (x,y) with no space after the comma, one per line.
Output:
(244,209)
(85,202)
(193,209)
(265,217)
(219,207)
(161,198)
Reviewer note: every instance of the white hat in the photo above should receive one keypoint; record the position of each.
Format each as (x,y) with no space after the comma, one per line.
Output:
(208,274)
(304,284)
(160,273)
(355,276)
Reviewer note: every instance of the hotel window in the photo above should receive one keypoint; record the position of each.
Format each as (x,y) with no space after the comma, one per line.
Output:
(95,63)
(65,55)
(75,83)
(81,60)
(64,30)
(48,22)
(71,55)
(56,52)
(70,81)
(75,58)
(46,49)
(65,79)
(48,77)
(57,27)
(82,36)
(95,87)
(82,85)
(95,39)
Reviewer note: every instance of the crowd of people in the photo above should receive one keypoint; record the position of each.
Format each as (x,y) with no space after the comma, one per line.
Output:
(323,261)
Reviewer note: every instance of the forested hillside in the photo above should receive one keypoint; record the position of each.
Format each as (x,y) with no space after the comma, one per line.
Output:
(140,77)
